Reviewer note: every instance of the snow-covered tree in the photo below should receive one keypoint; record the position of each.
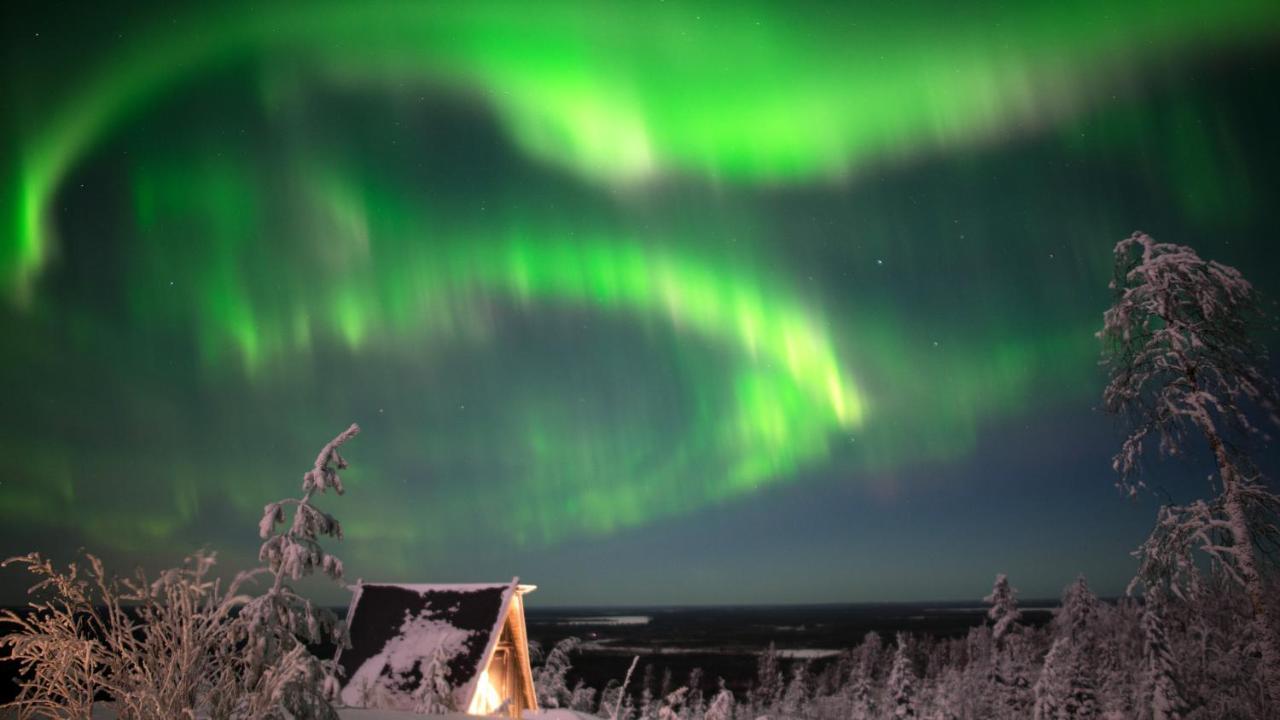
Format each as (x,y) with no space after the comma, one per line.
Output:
(673,704)
(282,678)
(1003,613)
(1179,343)
(902,682)
(769,687)
(1162,693)
(550,679)
(695,701)
(1078,615)
(721,706)
(610,698)
(860,689)
(1051,687)
(869,654)
(1081,701)
(648,705)
(434,695)
(796,696)
(948,694)
(1117,652)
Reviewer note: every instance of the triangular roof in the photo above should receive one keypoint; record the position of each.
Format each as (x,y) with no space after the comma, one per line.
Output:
(396,630)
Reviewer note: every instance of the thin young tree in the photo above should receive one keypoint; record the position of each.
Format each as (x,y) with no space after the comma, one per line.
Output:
(1179,343)
(282,677)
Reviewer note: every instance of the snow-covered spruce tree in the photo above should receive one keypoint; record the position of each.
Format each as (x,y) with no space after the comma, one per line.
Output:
(696,702)
(1162,697)
(795,699)
(1010,675)
(861,687)
(1050,689)
(281,677)
(902,682)
(1077,618)
(1003,613)
(1179,342)
(1081,700)
(948,695)
(550,679)
(768,690)
(1118,642)
(434,695)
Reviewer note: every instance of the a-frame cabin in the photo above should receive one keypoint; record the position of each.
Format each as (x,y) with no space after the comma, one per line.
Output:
(438,647)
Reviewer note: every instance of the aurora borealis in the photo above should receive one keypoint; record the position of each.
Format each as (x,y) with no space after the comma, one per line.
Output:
(635,301)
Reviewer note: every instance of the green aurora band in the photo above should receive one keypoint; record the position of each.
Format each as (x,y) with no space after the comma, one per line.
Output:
(303,253)
(734,91)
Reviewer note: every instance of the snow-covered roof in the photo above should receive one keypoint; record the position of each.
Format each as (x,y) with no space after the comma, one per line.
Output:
(398,629)
(458,587)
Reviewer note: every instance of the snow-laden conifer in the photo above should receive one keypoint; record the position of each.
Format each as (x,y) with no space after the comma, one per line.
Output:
(902,682)
(769,683)
(1081,701)
(1051,686)
(695,702)
(281,676)
(1003,611)
(861,688)
(1077,617)
(796,696)
(1162,692)
(434,694)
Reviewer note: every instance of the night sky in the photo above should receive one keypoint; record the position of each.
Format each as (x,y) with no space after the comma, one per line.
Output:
(643,302)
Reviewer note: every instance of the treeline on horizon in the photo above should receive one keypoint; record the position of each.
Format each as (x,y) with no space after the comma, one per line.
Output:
(1159,657)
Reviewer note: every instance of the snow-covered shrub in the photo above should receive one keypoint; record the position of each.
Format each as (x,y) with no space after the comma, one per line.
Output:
(58,646)
(584,698)
(181,645)
(673,705)
(721,706)
(158,648)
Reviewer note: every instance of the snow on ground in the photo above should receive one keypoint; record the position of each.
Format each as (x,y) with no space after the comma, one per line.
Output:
(107,711)
(607,620)
(610,646)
